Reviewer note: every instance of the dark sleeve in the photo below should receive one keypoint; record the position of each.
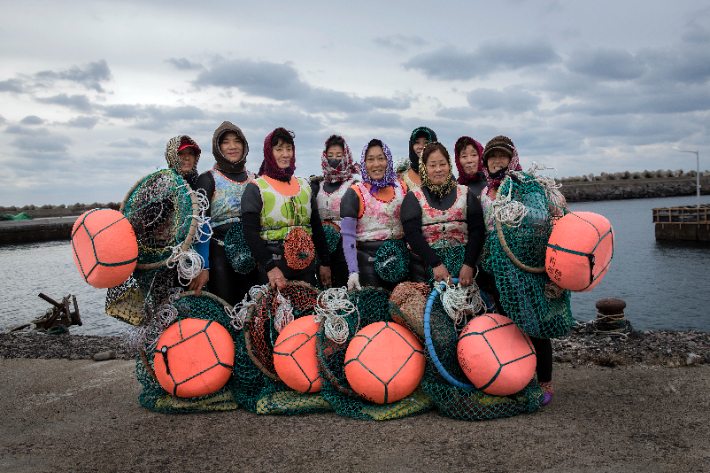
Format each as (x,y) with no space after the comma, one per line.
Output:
(411,215)
(206,183)
(476,228)
(319,240)
(350,204)
(251,212)
(315,187)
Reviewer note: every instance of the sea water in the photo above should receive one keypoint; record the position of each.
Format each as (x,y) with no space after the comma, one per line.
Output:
(664,284)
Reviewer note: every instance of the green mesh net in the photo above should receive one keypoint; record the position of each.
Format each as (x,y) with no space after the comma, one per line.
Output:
(372,306)
(241,385)
(392,261)
(332,235)
(515,255)
(238,252)
(451,253)
(160,208)
(453,400)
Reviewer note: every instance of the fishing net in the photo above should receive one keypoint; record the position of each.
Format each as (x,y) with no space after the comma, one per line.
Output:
(392,261)
(372,306)
(126,301)
(451,252)
(162,210)
(238,252)
(445,382)
(272,311)
(206,307)
(524,218)
(332,235)
(407,304)
(298,248)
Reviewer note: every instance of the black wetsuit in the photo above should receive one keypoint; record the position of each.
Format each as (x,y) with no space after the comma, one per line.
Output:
(338,265)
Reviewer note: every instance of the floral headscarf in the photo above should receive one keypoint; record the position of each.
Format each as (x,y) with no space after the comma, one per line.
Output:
(346,168)
(269,166)
(506,144)
(465,179)
(390,178)
(439,189)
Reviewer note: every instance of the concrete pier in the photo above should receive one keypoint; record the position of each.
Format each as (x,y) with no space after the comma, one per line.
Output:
(39,229)
(682,223)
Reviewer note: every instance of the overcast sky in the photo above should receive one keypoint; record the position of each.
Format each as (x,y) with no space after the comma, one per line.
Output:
(91,91)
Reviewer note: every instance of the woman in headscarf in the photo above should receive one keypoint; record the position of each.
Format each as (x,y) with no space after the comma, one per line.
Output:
(441,211)
(419,138)
(369,213)
(500,157)
(281,221)
(224,185)
(469,164)
(338,171)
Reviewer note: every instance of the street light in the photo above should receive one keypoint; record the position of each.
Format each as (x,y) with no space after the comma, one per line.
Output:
(697,175)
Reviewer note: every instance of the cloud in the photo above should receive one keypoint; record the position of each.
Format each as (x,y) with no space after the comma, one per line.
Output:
(11,85)
(90,76)
(32,120)
(509,100)
(153,117)
(184,64)
(606,64)
(76,102)
(449,63)
(399,42)
(40,141)
(129,143)
(83,122)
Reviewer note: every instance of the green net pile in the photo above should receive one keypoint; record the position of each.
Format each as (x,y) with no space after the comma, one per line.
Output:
(238,252)
(515,252)
(392,261)
(260,336)
(332,235)
(453,401)
(451,253)
(159,208)
(240,385)
(372,306)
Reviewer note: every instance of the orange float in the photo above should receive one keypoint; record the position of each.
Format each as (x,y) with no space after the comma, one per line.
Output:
(194,357)
(295,355)
(384,362)
(495,355)
(105,247)
(579,251)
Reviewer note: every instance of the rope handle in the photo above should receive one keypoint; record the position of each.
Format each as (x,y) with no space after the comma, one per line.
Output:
(511,256)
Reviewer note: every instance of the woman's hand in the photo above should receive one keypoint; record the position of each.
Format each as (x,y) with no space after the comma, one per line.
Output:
(325,277)
(200,281)
(354,282)
(466,275)
(441,273)
(276,279)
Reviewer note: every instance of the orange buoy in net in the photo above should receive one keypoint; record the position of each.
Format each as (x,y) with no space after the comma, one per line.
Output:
(384,362)
(105,247)
(495,355)
(295,355)
(194,357)
(579,250)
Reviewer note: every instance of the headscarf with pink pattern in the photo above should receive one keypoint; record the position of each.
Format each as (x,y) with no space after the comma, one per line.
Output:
(345,169)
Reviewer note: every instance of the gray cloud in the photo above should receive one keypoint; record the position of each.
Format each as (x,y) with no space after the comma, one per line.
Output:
(184,64)
(32,120)
(76,102)
(129,143)
(89,76)
(261,79)
(509,100)
(399,42)
(41,142)
(83,122)
(449,63)
(608,64)
(11,85)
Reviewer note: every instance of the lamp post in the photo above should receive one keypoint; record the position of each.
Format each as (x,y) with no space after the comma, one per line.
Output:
(697,175)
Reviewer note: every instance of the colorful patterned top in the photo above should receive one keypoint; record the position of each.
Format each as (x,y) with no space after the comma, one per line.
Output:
(226,205)
(405,178)
(329,204)
(379,220)
(280,212)
(488,215)
(449,223)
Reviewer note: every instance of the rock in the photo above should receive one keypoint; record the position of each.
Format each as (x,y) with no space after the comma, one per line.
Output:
(104,355)
(692,358)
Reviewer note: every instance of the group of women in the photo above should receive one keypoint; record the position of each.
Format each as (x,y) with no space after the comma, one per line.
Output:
(285,220)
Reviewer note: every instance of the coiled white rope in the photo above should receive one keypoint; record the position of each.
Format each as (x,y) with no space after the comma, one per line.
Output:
(146,336)
(552,188)
(189,264)
(460,302)
(507,211)
(238,313)
(284,312)
(334,306)
(204,230)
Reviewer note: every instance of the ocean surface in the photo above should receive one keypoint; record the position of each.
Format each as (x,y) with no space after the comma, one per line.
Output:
(664,284)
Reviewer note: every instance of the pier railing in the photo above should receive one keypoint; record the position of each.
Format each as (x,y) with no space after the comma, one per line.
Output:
(682,214)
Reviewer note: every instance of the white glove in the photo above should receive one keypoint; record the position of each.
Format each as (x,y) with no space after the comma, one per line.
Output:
(354,282)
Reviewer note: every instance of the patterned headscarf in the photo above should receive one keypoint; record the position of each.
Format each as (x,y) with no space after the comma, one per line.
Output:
(269,166)
(413,156)
(390,178)
(439,189)
(346,168)
(465,179)
(173,158)
(506,144)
